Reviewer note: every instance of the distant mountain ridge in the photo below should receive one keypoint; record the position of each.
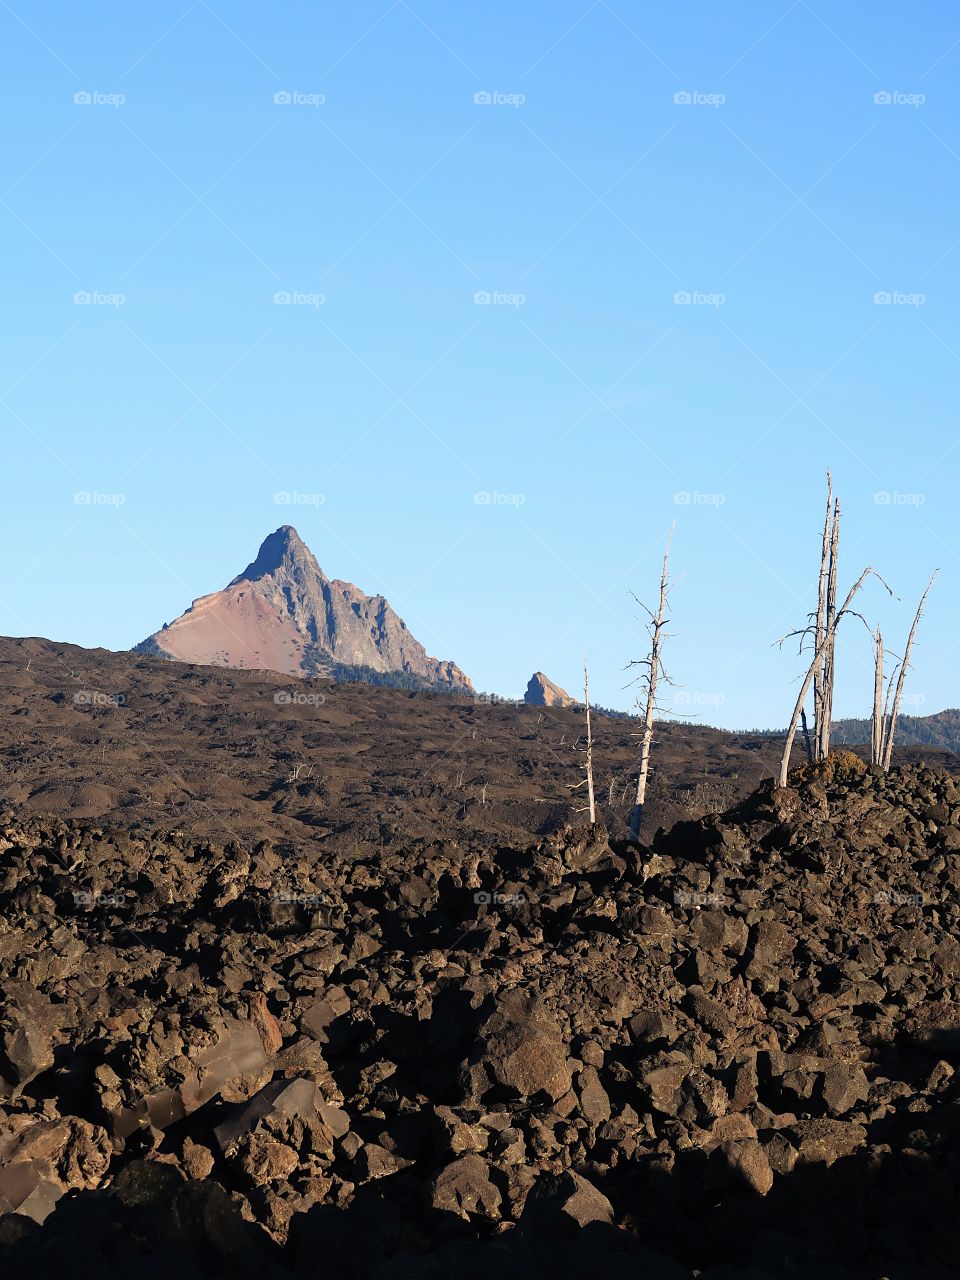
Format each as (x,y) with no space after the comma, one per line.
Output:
(282,613)
(942,729)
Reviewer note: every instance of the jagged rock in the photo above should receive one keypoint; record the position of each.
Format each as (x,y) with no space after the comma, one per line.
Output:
(570,1195)
(465,1188)
(519,1051)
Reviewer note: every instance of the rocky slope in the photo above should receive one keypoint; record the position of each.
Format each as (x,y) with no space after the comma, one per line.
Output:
(729,1055)
(283,614)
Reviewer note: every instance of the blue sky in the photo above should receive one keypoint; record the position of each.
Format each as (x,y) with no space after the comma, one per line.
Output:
(180,166)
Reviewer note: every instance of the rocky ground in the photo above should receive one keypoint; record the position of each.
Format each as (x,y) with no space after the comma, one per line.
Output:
(249,755)
(730,1053)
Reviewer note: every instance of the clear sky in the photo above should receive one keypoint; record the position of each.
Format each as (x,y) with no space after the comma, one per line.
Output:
(180,166)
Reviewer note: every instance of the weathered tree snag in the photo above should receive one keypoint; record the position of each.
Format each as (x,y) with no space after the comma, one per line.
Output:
(877,725)
(829,657)
(590,806)
(654,669)
(828,637)
(821,618)
(901,678)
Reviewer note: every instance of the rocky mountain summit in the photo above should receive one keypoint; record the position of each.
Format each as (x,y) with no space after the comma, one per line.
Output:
(282,613)
(542,692)
(731,1054)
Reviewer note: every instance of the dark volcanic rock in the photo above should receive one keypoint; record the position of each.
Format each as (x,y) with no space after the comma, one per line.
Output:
(733,1053)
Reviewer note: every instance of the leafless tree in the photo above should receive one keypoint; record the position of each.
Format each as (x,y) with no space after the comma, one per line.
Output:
(820,623)
(653,671)
(590,807)
(828,674)
(879,715)
(826,641)
(891,726)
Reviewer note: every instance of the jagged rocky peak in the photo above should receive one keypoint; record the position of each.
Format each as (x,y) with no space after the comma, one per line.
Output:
(282,613)
(542,692)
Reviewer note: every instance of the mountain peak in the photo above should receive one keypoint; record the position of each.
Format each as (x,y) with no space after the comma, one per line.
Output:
(284,614)
(542,692)
(284,548)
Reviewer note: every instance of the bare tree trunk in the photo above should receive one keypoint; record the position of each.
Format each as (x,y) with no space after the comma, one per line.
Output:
(876,737)
(828,637)
(901,678)
(653,673)
(590,807)
(806,727)
(591,803)
(821,619)
(829,657)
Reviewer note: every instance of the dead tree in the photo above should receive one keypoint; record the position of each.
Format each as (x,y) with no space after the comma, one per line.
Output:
(653,671)
(828,674)
(879,715)
(891,726)
(827,640)
(820,622)
(590,807)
